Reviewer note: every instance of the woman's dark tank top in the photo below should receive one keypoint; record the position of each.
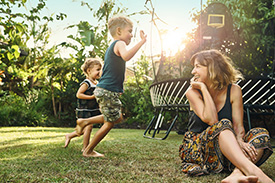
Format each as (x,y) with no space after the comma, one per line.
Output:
(195,124)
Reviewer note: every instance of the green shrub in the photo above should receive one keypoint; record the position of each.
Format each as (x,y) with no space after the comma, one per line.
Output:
(16,111)
(137,105)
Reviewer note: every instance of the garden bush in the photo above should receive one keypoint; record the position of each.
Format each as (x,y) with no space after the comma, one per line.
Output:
(17,111)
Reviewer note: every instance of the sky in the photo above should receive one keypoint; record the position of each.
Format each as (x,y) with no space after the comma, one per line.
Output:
(175,14)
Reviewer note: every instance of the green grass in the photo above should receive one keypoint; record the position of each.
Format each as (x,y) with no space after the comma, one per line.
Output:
(36,154)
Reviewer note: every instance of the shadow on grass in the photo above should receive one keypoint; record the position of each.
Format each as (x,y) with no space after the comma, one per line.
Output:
(129,158)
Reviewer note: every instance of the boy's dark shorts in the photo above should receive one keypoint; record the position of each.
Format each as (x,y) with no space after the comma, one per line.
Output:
(109,104)
(83,113)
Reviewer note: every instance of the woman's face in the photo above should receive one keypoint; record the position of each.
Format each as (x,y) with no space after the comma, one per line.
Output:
(200,72)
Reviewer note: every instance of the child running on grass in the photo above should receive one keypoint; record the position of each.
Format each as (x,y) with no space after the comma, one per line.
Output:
(86,103)
(110,85)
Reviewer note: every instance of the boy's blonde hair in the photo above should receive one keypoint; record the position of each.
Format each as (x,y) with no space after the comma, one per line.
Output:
(90,63)
(221,70)
(119,21)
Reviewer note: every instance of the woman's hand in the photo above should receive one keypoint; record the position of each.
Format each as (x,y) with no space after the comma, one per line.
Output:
(201,102)
(196,84)
(249,150)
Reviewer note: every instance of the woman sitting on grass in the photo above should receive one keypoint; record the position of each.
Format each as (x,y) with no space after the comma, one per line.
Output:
(216,139)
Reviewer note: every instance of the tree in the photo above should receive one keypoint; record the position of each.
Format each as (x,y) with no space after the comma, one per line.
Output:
(42,74)
(24,69)
(137,106)
(11,40)
(95,37)
(252,47)
(19,28)
(92,40)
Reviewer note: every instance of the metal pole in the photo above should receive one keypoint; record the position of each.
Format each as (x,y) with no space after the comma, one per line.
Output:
(200,36)
(151,32)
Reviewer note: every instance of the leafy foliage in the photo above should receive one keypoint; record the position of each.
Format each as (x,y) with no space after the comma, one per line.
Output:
(15,111)
(38,86)
(252,46)
(22,65)
(137,106)
(41,69)
(174,67)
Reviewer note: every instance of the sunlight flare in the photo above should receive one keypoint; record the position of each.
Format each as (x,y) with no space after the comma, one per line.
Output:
(173,41)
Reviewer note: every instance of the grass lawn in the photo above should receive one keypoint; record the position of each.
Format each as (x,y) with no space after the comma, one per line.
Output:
(36,154)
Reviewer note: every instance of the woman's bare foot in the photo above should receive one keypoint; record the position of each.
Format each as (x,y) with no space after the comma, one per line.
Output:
(240,179)
(93,154)
(67,140)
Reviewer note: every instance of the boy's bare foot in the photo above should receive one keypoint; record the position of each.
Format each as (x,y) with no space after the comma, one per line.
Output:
(93,154)
(80,126)
(78,130)
(67,140)
(240,179)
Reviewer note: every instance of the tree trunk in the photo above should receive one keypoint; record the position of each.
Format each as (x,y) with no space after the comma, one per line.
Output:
(60,104)
(54,109)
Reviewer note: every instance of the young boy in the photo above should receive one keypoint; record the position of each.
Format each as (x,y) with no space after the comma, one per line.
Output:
(86,103)
(110,85)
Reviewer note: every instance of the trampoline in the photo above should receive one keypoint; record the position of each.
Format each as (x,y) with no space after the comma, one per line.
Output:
(169,96)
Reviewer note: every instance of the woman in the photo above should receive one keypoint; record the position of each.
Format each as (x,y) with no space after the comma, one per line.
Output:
(216,139)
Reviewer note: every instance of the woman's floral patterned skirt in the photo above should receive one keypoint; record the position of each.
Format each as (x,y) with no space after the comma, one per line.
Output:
(201,154)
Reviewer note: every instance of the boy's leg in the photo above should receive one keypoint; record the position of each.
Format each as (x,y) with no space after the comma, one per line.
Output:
(86,136)
(110,107)
(68,138)
(100,134)
(82,122)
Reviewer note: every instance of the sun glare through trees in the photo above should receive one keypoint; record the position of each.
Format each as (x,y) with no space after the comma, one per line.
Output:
(173,41)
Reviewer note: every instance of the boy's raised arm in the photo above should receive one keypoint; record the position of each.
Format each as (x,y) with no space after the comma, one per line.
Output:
(125,54)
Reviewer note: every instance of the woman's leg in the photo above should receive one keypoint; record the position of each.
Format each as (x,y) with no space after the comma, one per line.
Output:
(232,151)
(238,176)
